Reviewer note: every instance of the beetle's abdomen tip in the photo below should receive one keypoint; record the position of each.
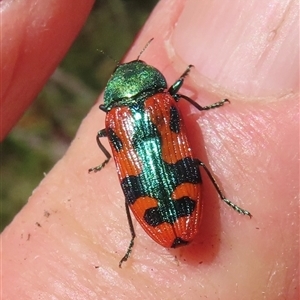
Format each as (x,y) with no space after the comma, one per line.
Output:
(178,242)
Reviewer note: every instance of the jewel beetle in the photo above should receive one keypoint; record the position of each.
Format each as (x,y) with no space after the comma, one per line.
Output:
(158,173)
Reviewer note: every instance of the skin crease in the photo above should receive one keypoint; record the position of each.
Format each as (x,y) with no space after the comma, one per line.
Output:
(67,241)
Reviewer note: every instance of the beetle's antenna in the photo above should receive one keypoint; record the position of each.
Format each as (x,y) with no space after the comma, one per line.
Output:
(146,46)
(108,56)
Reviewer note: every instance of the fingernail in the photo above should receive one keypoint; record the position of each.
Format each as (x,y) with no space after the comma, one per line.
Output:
(246,47)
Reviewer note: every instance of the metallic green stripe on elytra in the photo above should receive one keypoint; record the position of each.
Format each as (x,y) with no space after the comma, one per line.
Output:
(158,179)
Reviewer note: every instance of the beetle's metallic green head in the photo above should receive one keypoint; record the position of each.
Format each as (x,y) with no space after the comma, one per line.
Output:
(132,83)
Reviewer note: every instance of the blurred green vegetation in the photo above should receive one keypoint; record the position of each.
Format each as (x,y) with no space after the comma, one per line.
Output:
(45,131)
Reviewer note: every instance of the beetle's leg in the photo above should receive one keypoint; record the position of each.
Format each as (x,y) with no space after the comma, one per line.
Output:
(199,107)
(228,202)
(100,134)
(177,85)
(131,228)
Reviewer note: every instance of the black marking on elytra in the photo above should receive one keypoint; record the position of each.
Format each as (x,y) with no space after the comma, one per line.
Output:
(114,139)
(174,120)
(161,188)
(182,207)
(178,242)
(186,170)
(153,216)
(132,188)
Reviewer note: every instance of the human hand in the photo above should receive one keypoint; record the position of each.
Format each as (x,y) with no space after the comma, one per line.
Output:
(68,239)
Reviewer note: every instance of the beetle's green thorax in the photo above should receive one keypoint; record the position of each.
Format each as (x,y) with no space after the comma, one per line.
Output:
(131,83)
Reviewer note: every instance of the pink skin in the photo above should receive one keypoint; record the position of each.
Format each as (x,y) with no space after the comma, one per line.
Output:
(67,241)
